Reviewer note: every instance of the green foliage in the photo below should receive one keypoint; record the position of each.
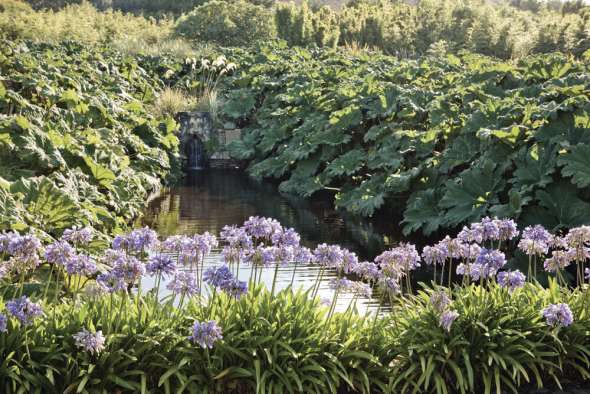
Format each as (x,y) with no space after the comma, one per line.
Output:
(284,343)
(443,141)
(129,33)
(235,23)
(77,145)
(498,343)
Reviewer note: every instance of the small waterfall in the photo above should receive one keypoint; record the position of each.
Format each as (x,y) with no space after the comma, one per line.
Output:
(195,153)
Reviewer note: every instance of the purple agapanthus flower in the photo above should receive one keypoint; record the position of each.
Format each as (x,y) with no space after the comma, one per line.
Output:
(130,270)
(452,247)
(492,258)
(24,245)
(434,255)
(578,237)
(217,276)
(5,239)
(205,243)
(111,282)
(490,230)
(471,235)
(235,287)
(286,237)
(236,237)
(349,262)
(78,236)
(558,315)
(368,271)
(260,256)
(399,260)
(507,229)
(283,254)
(439,301)
(390,285)
(511,280)
(3,323)
(177,244)
(261,228)
(160,265)
(81,265)
(60,252)
(139,240)
(558,261)
(362,289)
(535,240)
(112,257)
(184,283)
(447,318)
(24,310)
(92,342)
(303,255)
(587,273)
(329,256)
(205,334)
(469,252)
(341,285)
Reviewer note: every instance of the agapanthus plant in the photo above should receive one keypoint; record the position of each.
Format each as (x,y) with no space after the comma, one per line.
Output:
(558,315)
(205,334)
(92,342)
(24,310)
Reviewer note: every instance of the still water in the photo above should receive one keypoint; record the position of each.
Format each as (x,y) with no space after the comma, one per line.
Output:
(208,200)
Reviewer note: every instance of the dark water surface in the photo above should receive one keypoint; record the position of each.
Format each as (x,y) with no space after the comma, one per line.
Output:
(211,199)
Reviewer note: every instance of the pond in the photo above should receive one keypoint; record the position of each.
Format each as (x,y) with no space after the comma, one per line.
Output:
(208,200)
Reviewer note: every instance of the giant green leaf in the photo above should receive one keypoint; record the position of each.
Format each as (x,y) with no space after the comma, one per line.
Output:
(576,164)
(101,174)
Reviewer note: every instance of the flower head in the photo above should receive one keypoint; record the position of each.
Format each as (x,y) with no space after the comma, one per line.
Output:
(399,260)
(511,280)
(81,264)
(559,260)
(341,285)
(218,276)
(24,310)
(578,237)
(138,240)
(111,282)
(129,270)
(286,237)
(507,229)
(183,283)
(303,255)
(368,271)
(489,229)
(205,334)
(447,318)
(235,287)
(92,342)
(535,240)
(439,301)
(60,252)
(261,228)
(77,236)
(558,315)
(328,255)
(205,242)
(3,322)
(433,255)
(160,265)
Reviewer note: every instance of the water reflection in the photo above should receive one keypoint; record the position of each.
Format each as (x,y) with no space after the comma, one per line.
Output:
(209,200)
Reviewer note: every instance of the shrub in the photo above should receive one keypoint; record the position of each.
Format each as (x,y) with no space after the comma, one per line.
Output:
(235,23)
